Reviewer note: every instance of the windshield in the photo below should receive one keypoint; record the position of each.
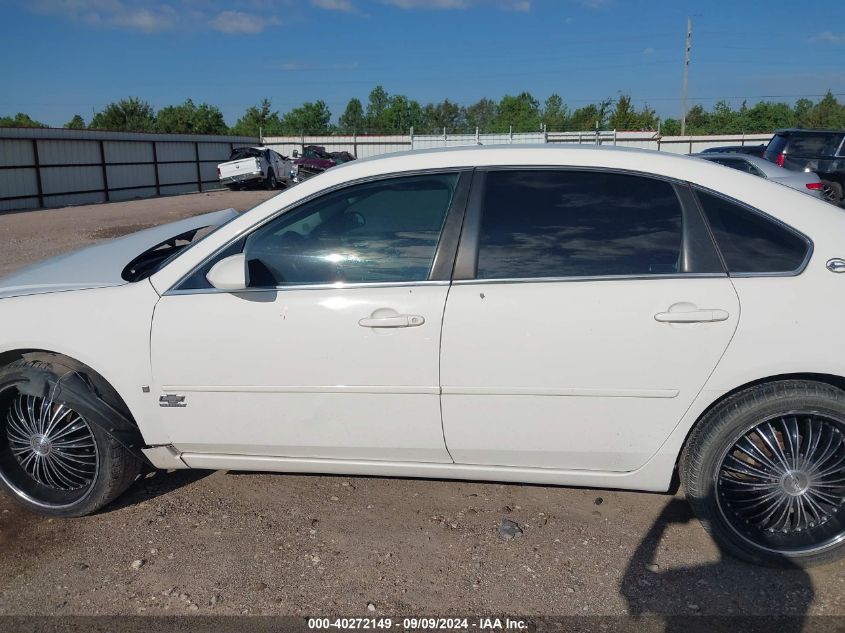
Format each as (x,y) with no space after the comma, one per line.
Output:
(244,152)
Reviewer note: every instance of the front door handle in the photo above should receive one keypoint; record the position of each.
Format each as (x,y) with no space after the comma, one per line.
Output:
(692,316)
(400,320)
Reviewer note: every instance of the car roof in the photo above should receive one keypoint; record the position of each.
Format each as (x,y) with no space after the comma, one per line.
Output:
(798,130)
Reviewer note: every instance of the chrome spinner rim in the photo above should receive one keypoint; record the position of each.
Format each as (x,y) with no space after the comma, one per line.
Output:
(52,444)
(781,483)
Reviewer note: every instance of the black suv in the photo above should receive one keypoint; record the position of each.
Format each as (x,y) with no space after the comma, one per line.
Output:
(821,151)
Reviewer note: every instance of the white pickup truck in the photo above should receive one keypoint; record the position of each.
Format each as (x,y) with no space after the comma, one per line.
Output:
(255,166)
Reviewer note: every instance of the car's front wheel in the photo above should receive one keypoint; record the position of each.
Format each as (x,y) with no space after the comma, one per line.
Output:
(765,472)
(53,460)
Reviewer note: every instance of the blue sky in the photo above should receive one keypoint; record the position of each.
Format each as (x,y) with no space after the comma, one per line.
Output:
(73,56)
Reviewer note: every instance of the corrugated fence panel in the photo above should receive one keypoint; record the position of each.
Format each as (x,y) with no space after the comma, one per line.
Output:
(169,174)
(68,152)
(175,151)
(215,151)
(121,176)
(127,152)
(78,198)
(131,194)
(69,179)
(19,182)
(17,153)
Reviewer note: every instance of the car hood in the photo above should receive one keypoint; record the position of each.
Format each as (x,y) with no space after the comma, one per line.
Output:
(100,265)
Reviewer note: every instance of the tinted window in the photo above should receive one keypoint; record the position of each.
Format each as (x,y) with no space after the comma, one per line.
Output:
(813,144)
(750,242)
(738,164)
(375,232)
(775,147)
(559,223)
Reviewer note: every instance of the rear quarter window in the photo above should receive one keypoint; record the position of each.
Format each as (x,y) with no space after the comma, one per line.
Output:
(750,242)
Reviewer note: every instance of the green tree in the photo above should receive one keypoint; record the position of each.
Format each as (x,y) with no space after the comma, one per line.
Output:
(445,114)
(257,120)
(309,118)
(376,105)
(590,116)
(191,119)
(520,112)
(353,119)
(827,113)
(76,123)
(20,120)
(127,115)
(481,114)
(555,114)
(401,114)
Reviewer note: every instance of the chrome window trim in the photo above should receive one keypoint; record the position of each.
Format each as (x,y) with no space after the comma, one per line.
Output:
(525,280)
(807,240)
(328,286)
(459,171)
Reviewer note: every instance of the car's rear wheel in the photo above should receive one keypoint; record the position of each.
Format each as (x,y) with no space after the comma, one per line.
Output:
(52,459)
(765,473)
(270,182)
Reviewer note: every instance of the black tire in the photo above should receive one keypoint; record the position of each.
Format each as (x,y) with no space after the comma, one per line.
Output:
(771,429)
(96,467)
(270,182)
(832,192)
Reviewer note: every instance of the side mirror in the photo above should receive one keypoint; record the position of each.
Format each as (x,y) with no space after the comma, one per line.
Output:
(295,153)
(229,274)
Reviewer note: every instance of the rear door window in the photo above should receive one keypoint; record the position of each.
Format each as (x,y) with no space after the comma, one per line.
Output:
(751,242)
(814,144)
(561,223)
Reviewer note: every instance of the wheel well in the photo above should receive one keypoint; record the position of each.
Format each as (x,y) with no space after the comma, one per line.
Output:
(829,379)
(98,380)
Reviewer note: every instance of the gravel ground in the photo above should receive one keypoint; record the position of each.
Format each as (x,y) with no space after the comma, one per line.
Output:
(227,543)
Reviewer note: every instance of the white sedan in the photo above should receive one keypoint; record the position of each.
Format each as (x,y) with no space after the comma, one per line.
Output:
(568,316)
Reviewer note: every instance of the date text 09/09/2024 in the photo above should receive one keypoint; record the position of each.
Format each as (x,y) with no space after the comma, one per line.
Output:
(419,624)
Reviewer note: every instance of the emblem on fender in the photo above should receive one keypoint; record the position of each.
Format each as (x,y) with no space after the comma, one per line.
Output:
(836,265)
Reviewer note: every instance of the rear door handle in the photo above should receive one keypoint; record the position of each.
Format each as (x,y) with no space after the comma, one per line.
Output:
(400,320)
(692,316)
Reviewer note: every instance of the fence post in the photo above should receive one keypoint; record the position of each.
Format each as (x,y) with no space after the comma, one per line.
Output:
(412,137)
(155,167)
(477,136)
(510,135)
(445,139)
(38,172)
(197,159)
(355,144)
(614,137)
(579,138)
(302,142)
(690,145)
(105,172)
(545,134)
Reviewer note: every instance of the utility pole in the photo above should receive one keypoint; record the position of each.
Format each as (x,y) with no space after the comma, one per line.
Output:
(687,51)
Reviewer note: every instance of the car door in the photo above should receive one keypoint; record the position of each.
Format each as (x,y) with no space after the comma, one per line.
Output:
(333,351)
(588,309)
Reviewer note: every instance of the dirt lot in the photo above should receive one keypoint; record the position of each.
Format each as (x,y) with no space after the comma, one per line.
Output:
(233,543)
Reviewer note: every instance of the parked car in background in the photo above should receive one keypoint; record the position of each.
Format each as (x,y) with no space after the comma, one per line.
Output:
(341,157)
(821,151)
(313,160)
(255,166)
(804,181)
(551,315)
(751,150)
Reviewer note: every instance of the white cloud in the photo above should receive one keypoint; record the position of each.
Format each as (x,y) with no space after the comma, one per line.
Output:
(334,5)
(596,4)
(523,6)
(428,4)
(829,37)
(648,51)
(148,17)
(511,5)
(240,22)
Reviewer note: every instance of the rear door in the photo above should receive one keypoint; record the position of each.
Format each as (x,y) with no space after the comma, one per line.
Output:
(588,310)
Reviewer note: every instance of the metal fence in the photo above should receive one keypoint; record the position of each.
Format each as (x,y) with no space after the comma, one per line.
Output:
(364,146)
(52,167)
